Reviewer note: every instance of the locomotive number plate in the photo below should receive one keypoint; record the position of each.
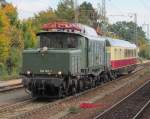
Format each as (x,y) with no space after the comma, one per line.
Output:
(45,71)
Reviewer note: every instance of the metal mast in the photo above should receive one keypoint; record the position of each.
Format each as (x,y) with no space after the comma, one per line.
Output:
(76,11)
(135,20)
(104,10)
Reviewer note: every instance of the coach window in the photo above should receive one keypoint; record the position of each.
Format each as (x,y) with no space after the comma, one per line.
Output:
(126,54)
(135,52)
(129,53)
(120,53)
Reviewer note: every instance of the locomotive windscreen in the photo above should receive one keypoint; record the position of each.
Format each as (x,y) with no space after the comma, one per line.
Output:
(59,40)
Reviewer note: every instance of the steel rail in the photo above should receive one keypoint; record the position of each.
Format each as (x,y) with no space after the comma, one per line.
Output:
(140,113)
(11,87)
(124,99)
(16,105)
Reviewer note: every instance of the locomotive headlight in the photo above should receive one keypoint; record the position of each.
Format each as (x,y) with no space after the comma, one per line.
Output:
(45,49)
(59,73)
(28,72)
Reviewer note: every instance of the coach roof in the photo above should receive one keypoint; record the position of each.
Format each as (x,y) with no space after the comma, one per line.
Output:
(121,43)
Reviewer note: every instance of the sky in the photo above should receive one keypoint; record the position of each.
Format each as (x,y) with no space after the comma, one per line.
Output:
(116,9)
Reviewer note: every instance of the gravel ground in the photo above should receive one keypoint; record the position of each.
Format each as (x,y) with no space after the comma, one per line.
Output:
(135,81)
(13,96)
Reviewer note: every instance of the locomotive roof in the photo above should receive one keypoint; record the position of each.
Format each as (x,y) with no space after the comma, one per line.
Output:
(66,27)
(87,30)
(121,43)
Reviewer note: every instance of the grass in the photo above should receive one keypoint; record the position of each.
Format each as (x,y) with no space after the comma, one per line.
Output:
(74,110)
(147,71)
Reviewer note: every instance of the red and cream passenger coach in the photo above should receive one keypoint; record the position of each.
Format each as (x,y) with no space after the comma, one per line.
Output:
(123,55)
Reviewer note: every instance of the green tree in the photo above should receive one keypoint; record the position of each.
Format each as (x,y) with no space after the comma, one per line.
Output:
(126,30)
(29,35)
(11,13)
(87,14)
(41,18)
(65,11)
(4,36)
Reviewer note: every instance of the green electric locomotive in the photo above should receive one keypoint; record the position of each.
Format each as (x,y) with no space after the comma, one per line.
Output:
(70,58)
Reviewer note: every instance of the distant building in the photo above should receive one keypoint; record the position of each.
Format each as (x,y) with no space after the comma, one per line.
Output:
(3,3)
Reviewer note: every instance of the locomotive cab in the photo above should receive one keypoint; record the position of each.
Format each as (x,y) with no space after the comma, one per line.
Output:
(57,57)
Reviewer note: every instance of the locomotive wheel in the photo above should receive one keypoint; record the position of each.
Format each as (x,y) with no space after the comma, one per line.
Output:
(66,89)
(81,86)
(74,90)
(61,91)
(93,83)
(102,78)
(98,80)
(74,87)
(78,86)
(90,82)
(106,77)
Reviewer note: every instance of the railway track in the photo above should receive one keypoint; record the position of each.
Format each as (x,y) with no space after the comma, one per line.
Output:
(29,107)
(17,101)
(10,87)
(142,112)
(131,106)
(26,109)
(19,108)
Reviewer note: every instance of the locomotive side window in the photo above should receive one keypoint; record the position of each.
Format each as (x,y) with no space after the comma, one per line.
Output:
(59,40)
